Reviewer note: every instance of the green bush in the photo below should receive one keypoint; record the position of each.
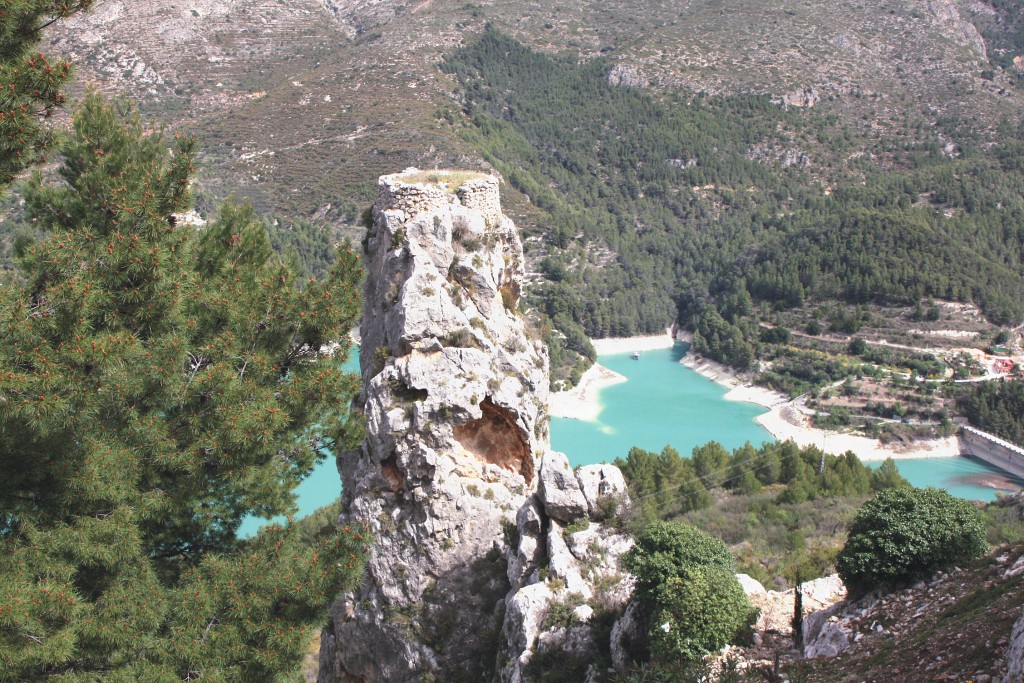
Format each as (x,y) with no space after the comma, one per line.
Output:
(667,549)
(688,593)
(908,534)
(699,612)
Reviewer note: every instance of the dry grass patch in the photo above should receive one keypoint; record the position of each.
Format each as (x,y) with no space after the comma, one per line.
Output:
(451,180)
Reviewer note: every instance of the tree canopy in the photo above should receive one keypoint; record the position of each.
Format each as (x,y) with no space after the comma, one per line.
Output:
(907,534)
(160,384)
(689,597)
(661,207)
(30,82)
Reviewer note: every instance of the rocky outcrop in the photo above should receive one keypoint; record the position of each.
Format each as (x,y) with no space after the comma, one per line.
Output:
(563,499)
(627,76)
(946,13)
(487,559)
(1015,654)
(602,485)
(776,607)
(805,97)
(962,625)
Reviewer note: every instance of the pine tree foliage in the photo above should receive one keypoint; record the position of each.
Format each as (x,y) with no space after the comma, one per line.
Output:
(159,385)
(30,82)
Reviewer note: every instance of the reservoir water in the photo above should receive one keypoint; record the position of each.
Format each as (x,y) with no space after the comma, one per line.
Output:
(661,403)
(666,403)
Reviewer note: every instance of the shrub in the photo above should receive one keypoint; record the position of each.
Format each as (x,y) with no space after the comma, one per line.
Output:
(907,534)
(667,549)
(699,612)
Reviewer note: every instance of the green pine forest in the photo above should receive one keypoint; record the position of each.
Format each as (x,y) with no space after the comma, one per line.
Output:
(656,207)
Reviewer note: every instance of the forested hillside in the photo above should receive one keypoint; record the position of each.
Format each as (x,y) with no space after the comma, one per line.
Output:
(700,208)
(708,163)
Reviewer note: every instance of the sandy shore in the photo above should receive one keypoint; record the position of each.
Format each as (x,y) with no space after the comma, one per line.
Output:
(784,421)
(630,344)
(739,389)
(581,402)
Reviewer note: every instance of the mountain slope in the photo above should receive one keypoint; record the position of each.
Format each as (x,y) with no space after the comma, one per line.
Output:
(303,103)
(662,157)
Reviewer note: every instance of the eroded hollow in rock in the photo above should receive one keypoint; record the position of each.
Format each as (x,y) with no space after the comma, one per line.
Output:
(495,439)
(392,474)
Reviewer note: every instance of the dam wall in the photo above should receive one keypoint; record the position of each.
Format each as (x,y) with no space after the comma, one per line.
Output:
(992,450)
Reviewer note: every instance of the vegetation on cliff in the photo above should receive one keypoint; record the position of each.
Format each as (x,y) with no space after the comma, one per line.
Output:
(690,601)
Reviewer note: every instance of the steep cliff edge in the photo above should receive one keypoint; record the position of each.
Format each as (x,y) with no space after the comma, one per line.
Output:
(455,476)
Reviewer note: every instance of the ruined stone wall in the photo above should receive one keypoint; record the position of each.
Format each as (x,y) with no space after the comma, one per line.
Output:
(482,195)
(397,195)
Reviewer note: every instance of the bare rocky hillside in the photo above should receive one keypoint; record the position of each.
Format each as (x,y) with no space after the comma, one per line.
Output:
(303,104)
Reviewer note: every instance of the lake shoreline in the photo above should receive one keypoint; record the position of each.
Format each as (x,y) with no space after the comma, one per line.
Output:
(785,420)
(648,342)
(582,402)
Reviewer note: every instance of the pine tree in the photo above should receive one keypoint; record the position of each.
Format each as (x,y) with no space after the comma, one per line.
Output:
(159,384)
(30,82)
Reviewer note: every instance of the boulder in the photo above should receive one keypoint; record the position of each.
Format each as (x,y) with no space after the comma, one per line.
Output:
(1015,654)
(823,592)
(825,634)
(559,489)
(751,586)
(601,482)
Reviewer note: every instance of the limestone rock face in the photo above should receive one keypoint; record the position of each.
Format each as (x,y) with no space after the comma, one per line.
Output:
(627,76)
(603,486)
(807,97)
(455,397)
(563,499)
(489,560)
(547,624)
(777,606)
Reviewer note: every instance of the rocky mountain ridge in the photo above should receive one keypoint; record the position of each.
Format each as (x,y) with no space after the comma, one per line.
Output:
(359,85)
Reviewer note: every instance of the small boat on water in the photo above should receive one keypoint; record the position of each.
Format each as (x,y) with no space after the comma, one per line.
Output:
(636,355)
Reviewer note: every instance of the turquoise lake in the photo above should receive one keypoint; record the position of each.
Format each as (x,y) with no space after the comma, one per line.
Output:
(666,403)
(661,403)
